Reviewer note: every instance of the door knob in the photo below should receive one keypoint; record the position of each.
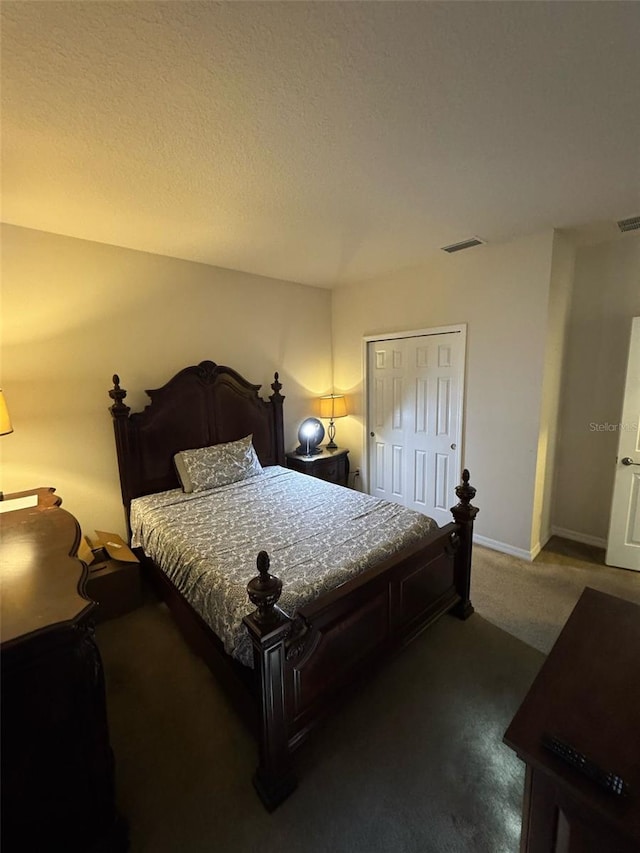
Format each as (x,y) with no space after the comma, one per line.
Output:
(629,461)
(372,434)
(453,446)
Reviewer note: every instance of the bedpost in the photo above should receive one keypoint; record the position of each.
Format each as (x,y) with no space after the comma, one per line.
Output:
(277,399)
(120,414)
(269,628)
(464,514)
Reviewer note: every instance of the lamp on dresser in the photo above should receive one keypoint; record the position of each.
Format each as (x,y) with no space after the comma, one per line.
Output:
(333,406)
(5,423)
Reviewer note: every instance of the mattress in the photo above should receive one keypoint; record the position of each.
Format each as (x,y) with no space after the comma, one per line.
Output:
(317,535)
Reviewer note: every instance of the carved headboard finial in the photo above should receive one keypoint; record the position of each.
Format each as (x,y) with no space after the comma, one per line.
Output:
(207,371)
(276,385)
(117,394)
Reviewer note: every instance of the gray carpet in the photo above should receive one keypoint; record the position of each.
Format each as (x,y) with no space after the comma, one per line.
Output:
(533,601)
(414,763)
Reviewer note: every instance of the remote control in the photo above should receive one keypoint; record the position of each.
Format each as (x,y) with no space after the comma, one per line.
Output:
(609,781)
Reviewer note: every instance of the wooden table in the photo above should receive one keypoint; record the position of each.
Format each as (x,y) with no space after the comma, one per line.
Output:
(588,694)
(57,764)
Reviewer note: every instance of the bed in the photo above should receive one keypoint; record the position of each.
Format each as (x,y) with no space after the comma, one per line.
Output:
(291,658)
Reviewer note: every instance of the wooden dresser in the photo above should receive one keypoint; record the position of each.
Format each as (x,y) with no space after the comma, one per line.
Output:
(57,763)
(588,695)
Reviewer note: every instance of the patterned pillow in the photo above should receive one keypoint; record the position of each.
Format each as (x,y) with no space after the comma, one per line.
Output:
(218,465)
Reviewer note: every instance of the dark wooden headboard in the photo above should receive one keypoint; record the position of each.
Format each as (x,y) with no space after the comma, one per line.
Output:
(201,405)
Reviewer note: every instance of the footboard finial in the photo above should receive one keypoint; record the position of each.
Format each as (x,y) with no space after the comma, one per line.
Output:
(264,590)
(466,492)
(269,629)
(464,513)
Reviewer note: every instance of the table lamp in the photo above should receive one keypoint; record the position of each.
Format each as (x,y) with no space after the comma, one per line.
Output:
(5,422)
(333,406)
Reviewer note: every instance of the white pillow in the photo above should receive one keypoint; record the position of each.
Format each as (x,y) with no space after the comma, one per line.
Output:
(218,465)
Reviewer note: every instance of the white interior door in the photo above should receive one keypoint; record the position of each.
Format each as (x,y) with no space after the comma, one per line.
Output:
(415,395)
(623,544)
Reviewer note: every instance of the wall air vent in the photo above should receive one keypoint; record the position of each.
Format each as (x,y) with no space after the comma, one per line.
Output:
(465,244)
(632,224)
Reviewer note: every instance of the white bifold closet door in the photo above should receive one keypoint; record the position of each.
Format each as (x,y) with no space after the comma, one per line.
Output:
(415,396)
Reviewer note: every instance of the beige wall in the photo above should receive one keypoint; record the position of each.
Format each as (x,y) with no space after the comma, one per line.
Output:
(560,289)
(75,312)
(606,295)
(502,293)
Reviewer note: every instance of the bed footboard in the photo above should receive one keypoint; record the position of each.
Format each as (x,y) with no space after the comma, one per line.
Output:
(306,663)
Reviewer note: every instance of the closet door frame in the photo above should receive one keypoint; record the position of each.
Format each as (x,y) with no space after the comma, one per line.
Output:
(460,328)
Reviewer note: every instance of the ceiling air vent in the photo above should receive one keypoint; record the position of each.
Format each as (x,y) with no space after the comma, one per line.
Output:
(465,244)
(632,224)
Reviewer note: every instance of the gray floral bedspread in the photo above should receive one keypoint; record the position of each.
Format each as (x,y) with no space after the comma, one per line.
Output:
(317,535)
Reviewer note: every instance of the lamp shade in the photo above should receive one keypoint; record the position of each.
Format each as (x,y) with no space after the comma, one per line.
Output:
(333,406)
(5,420)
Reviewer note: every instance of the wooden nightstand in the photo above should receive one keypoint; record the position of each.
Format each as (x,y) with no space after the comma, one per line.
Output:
(115,587)
(114,581)
(330,465)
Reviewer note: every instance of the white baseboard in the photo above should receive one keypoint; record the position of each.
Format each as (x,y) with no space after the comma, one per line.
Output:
(529,556)
(575,536)
(507,549)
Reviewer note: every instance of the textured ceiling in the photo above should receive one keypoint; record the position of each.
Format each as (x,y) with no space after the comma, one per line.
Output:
(318,142)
